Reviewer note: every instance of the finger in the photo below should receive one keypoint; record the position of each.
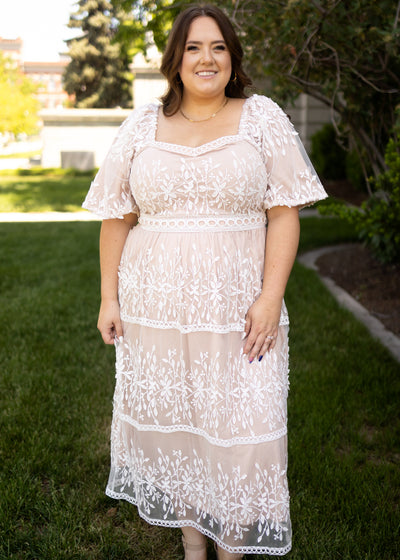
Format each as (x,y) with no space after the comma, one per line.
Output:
(255,350)
(269,344)
(250,342)
(274,339)
(255,340)
(118,329)
(272,345)
(108,336)
(264,349)
(247,328)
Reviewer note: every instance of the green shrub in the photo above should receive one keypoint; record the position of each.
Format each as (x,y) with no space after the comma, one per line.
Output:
(377,221)
(328,157)
(334,162)
(354,172)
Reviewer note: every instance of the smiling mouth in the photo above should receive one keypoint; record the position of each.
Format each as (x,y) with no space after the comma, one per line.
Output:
(206,73)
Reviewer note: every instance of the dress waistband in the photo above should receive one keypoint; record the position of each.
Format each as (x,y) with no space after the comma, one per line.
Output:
(236,222)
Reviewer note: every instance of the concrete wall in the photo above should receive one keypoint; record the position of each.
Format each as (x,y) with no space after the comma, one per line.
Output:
(308,115)
(148,86)
(79,137)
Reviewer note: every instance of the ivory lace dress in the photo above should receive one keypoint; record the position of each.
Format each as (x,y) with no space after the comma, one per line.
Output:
(198,434)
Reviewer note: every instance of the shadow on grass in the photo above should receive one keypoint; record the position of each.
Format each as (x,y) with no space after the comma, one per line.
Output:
(43,194)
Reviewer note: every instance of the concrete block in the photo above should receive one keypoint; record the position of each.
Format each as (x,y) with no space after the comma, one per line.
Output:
(84,161)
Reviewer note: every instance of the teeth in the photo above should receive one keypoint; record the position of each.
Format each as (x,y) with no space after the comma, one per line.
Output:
(205,73)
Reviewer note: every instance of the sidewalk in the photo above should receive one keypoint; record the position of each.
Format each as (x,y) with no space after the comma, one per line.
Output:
(83,216)
(48,217)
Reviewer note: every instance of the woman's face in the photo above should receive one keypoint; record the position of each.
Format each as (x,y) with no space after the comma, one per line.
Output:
(206,63)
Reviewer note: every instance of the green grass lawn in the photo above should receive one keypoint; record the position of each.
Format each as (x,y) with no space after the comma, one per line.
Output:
(56,389)
(35,192)
(29,154)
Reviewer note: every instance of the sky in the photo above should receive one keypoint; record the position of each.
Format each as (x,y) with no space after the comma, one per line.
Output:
(42,24)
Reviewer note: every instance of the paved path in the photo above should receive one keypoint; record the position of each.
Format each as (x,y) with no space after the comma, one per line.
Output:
(375,327)
(83,216)
(47,217)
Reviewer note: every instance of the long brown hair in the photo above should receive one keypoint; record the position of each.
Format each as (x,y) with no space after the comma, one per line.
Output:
(175,48)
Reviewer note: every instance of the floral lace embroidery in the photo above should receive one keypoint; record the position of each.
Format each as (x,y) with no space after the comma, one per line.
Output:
(229,503)
(207,284)
(229,181)
(109,195)
(292,180)
(207,396)
(215,395)
(288,177)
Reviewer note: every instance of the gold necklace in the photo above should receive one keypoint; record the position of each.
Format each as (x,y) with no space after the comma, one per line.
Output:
(208,118)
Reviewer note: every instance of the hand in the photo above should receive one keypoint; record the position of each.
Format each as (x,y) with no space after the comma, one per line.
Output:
(261,328)
(109,322)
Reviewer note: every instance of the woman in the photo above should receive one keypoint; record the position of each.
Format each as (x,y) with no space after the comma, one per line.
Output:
(192,296)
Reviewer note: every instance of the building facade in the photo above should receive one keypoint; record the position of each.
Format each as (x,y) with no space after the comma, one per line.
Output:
(12,48)
(47,75)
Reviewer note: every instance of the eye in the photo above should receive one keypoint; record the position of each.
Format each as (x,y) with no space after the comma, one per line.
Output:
(191,48)
(220,47)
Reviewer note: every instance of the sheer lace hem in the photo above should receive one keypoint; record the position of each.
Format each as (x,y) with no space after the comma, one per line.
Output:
(231,442)
(106,211)
(290,202)
(273,551)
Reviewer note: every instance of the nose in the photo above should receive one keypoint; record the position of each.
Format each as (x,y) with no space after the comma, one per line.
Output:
(206,55)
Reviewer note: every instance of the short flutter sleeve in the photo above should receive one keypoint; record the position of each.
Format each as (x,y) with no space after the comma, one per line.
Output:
(110,195)
(292,180)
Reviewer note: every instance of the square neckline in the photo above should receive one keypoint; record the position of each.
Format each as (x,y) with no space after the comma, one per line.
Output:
(216,141)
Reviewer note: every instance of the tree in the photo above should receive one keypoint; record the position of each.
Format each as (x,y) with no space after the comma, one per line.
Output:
(343,52)
(143,16)
(98,73)
(346,53)
(19,107)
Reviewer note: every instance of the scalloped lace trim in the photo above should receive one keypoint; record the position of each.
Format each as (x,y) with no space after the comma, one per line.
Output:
(237,222)
(216,144)
(200,327)
(231,442)
(211,327)
(185,523)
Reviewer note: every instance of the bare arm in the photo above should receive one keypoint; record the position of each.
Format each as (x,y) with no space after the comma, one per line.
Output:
(262,319)
(113,235)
